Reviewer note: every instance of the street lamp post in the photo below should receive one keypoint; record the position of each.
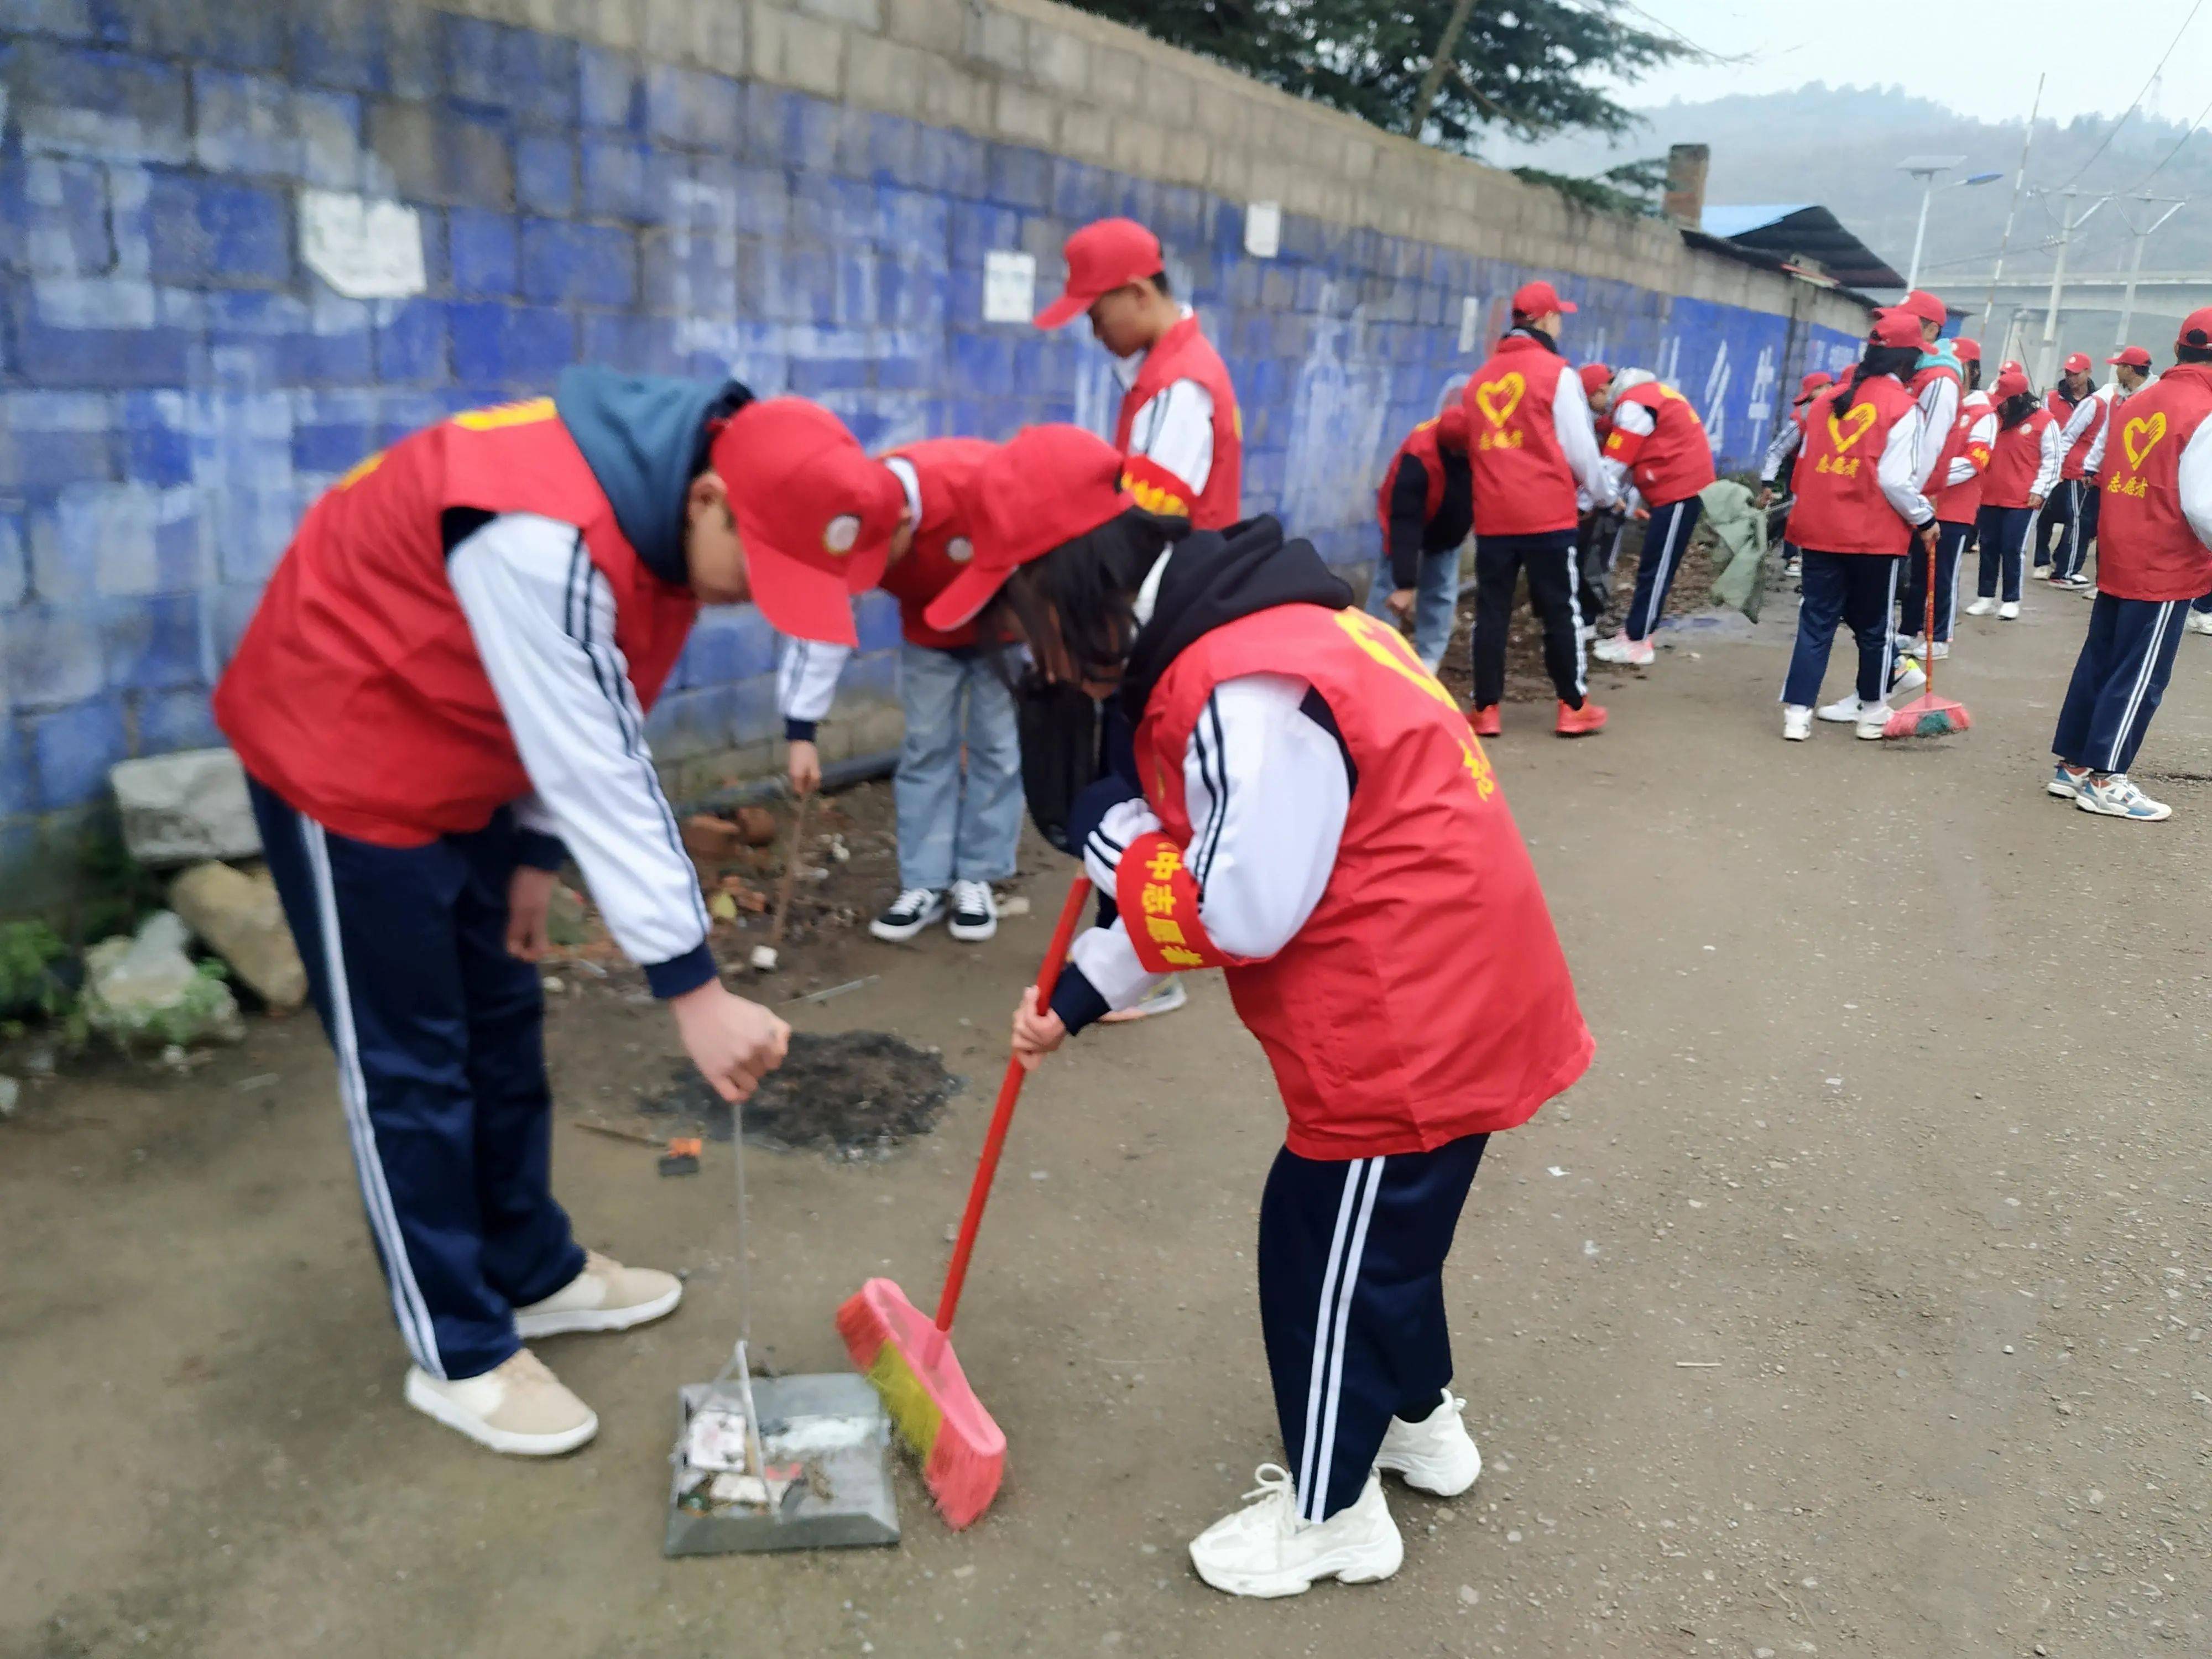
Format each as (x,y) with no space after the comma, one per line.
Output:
(1928,169)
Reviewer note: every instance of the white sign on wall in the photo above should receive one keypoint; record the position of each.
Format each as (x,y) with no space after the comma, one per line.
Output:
(1470,322)
(364,250)
(1009,286)
(1263,229)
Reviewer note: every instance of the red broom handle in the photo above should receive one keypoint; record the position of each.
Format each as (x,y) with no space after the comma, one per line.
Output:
(1928,632)
(1010,1091)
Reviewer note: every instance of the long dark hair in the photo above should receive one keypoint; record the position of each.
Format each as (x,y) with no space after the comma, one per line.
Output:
(1972,373)
(1082,595)
(1899,360)
(2015,408)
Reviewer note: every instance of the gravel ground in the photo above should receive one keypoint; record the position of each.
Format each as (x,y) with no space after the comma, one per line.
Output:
(1851,1305)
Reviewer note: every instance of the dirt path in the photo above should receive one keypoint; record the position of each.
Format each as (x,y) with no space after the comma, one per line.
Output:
(1851,1305)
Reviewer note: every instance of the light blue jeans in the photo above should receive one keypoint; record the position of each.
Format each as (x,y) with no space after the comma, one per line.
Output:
(1435,603)
(950,827)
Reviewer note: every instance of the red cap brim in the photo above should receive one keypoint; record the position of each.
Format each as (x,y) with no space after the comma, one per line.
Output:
(1569,306)
(964,597)
(803,600)
(1064,310)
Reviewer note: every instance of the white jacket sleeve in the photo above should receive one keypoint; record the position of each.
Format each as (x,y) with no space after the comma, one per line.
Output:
(2194,479)
(2093,462)
(543,618)
(806,683)
(1267,789)
(1897,472)
(1787,437)
(1984,433)
(1637,420)
(2078,421)
(1174,432)
(1576,431)
(2051,456)
(1939,413)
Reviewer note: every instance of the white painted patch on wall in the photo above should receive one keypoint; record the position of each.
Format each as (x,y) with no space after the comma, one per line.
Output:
(1263,229)
(364,249)
(1761,407)
(1009,286)
(1470,321)
(1717,387)
(1336,443)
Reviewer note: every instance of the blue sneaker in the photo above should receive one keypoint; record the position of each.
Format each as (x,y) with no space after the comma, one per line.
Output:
(2114,797)
(2066,783)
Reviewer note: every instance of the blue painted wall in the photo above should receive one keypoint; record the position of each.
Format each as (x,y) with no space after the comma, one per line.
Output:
(175,386)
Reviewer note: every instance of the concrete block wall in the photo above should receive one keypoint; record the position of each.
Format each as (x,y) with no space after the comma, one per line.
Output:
(802,192)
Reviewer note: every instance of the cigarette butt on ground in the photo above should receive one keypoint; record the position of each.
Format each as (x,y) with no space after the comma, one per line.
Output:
(1698,1364)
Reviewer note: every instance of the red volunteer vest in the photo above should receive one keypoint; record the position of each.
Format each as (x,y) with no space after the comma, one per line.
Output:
(2014,460)
(1675,461)
(357,693)
(1421,444)
(2077,457)
(2146,549)
(1840,506)
(1426,998)
(940,549)
(1522,484)
(1957,503)
(1183,353)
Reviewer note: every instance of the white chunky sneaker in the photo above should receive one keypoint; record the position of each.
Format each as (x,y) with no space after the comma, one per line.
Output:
(2009,610)
(2113,796)
(1873,722)
(604,1297)
(1633,653)
(975,911)
(518,1407)
(1840,713)
(1265,1549)
(905,916)
(1797,722)
(1437,1453)
(1981,607)
(2199,622)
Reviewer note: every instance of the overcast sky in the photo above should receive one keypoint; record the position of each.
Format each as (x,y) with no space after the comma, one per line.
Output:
(1980,57)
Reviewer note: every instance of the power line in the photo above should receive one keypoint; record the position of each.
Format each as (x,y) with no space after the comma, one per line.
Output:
(2175,151)
(2147,85)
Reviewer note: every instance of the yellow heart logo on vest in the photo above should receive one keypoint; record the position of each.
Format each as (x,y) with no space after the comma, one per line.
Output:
(1498,398)
(1858,420)
(2150,429)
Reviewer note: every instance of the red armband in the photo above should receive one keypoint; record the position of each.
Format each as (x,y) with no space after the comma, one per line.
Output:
(1156,488)
(1624,446)
(1158,902)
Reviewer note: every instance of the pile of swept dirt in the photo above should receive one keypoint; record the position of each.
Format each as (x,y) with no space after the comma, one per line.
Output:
(851,1094)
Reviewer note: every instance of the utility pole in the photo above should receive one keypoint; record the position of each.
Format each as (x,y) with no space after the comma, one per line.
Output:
(2134,268)
(2019,183)
(2046,367)
(1432,79)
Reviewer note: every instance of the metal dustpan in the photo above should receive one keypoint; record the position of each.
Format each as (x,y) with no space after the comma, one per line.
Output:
(780,1464)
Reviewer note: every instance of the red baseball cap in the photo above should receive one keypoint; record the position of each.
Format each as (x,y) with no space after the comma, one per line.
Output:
(2012,382)
(2077,362)
(1044,486)
(2196,328)
(1967,350)
(1924,305)
(814,513)
(1595,378)
(2133,357)
(1818,380)
(1102,257)
(1536,298)
(2012,366)
(1896,327)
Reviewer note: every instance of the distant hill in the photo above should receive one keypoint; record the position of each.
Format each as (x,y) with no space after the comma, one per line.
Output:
(1839,146)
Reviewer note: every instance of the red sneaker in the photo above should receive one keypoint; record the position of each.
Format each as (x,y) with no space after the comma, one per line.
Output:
(1486,721)
(1580,722)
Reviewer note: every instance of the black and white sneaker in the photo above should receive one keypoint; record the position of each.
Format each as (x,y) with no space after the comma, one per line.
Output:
(908,914)
(974,912)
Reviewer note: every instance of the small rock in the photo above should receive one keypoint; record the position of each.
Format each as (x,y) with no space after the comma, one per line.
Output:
(1019,905)
(712,839)
(11,1092)
(1468,1595)
(757,824)
(2095,1498)
(554,984)
(242,921)
(183,808)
